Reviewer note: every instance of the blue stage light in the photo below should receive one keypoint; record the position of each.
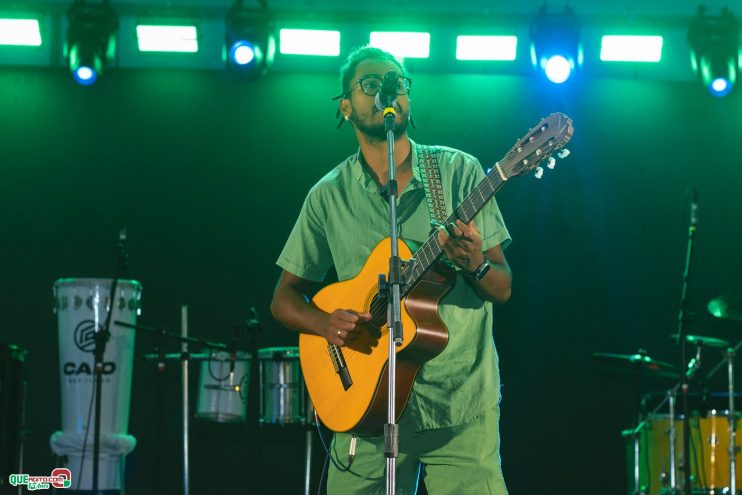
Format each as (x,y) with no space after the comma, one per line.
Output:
(555,45)
(557,69)
(242,52)
(91,40)
(715,48)
(250,40)
(85,75)
(720,87)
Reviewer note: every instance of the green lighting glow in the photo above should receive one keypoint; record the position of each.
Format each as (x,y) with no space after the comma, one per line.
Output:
(167,38)
(20,32)
(309,42)
(486,47)
(631,49)
(402,44)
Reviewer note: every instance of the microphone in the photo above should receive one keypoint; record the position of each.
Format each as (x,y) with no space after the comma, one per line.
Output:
(123,251)
(233,353)
(160,359)
(387,95)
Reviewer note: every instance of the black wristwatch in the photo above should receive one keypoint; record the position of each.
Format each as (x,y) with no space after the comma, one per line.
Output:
(481,270)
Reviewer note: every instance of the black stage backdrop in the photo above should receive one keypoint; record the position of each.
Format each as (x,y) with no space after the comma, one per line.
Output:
(210,171)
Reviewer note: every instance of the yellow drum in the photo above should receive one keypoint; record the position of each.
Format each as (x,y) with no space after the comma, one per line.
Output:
(709,437)
(710,445)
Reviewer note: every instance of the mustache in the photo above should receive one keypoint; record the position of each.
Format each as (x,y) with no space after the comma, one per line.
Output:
(397,107)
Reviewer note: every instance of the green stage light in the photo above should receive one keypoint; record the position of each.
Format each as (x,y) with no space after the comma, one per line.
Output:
(486,47)
(159,38)
(20,32)
(309,42)
(402,44)
(615,48)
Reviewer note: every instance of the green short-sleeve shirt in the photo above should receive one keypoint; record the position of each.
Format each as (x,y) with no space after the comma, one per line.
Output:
(344,217)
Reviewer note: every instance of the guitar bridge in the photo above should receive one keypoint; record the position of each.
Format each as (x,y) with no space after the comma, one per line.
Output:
(338,362)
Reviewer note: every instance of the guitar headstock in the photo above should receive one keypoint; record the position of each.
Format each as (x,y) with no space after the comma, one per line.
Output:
(537,146)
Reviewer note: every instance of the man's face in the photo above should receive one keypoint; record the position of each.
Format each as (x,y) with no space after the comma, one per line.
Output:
(364,115)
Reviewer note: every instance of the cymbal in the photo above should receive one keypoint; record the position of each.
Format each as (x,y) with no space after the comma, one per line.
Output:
(638,362)
(704,341)
(728,306)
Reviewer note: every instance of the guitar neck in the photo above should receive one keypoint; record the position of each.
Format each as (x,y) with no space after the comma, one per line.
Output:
(430,251)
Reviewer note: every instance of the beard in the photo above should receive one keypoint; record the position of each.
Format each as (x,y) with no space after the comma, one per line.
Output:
(377,132)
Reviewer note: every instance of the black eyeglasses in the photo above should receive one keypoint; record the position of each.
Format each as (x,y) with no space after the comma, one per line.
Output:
(371,85)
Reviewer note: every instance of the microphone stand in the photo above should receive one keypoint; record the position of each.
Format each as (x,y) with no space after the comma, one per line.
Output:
(102,335)
(683,318)
(392,290)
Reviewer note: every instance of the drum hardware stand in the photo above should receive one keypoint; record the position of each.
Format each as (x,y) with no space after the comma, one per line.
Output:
(184,356)
(728,360)
(391,288)
(634,434)
(184,381)
(684,317)
(102,335)
(255,329)
(160,341)
(673,434)
(308,453)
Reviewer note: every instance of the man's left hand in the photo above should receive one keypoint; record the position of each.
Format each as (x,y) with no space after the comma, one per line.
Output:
(462,244)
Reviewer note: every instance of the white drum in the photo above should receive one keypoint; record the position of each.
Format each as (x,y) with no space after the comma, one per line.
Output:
(221,397)
(82,308)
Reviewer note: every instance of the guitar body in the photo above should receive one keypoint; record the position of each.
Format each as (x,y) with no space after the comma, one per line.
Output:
(363,406)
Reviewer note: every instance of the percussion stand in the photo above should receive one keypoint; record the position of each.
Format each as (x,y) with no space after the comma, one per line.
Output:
(392,287)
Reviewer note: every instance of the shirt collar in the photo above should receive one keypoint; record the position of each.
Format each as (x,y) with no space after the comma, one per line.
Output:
(364,177)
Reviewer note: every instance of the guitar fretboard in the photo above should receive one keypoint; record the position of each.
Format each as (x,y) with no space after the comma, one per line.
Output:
(430,251)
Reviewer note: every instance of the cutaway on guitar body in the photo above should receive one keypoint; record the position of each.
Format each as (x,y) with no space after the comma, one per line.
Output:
(354,397)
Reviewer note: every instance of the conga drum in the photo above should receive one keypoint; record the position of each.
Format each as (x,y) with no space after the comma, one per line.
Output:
(82,307)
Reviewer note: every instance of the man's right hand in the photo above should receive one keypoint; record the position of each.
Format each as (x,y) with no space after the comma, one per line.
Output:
(343,325)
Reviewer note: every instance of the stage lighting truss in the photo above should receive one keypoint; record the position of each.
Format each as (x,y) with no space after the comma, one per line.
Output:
(91,39)
(250,39)
(556,51)
(715,50)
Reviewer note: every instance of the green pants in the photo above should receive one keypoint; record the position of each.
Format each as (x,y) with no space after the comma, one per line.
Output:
(456,460)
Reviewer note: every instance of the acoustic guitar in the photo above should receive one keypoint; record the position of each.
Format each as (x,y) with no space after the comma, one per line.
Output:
(348,385)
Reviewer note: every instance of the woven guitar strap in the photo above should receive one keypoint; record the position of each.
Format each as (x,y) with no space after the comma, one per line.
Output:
(427,163)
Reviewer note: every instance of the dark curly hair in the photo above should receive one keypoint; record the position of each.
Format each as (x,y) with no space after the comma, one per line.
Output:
(359,55)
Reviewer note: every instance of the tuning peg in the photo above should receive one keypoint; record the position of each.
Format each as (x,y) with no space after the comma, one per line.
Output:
(552,163)
(564,153)
(539,172)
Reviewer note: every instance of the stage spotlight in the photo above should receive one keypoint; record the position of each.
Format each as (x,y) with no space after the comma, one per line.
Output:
(555,44)
(250,43)
(91,39)
(715,50)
